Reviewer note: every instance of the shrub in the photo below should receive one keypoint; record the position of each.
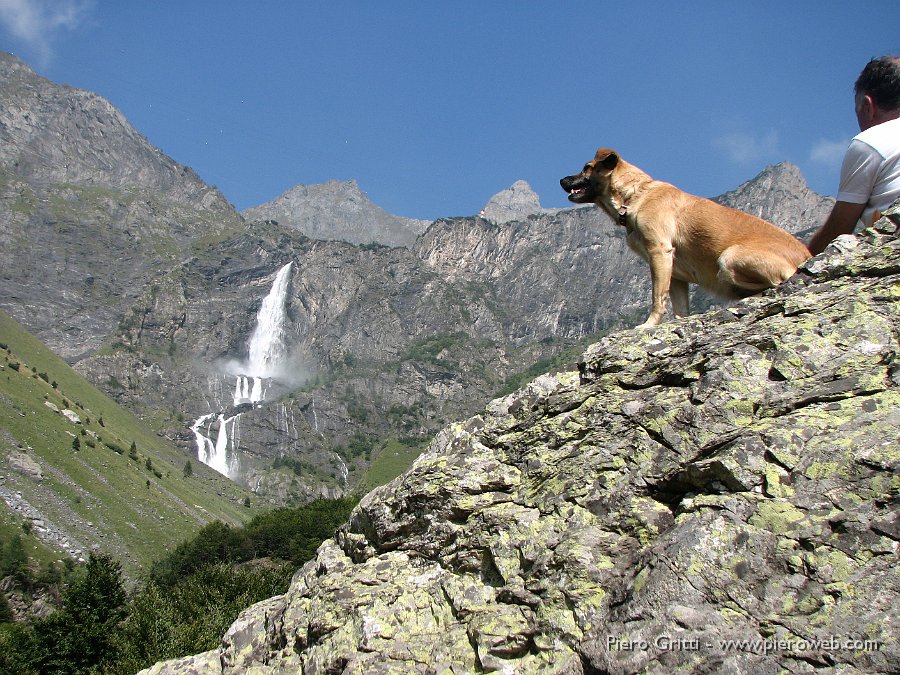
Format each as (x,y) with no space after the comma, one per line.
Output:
(290,534)
(191,616)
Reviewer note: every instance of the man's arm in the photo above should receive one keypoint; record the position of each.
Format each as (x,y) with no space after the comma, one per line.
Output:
(842,220)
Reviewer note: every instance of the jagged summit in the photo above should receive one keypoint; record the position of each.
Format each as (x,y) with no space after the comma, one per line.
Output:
(52,133)
(781,195)
(338,210)
(514,203)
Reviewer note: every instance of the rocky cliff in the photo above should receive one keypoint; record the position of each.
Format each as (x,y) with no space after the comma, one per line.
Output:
(716,495)
(383,342)
(90,211)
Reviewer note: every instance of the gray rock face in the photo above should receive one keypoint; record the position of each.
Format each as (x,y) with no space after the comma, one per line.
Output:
(90,211)
(338,211)
(516,202)
(406,339)
(716,495)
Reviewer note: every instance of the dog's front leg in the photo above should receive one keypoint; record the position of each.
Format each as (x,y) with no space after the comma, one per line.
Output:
(660,258)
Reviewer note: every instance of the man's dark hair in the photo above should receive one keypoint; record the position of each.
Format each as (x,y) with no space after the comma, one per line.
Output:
(880,79)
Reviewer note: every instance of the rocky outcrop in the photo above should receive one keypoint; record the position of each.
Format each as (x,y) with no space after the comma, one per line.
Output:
(516,202)
(715,495)
(338,211)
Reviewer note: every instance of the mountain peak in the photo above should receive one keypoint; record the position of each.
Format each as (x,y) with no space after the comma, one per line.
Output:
(516,202)
(778,194)
(338,210)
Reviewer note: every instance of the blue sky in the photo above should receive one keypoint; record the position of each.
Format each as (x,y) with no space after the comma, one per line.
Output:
(432,107)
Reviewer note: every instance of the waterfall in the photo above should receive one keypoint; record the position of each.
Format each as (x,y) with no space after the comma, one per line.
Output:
(215,454)
(315,416)
(266,347)
(205,447)
(345,472)
(267,342)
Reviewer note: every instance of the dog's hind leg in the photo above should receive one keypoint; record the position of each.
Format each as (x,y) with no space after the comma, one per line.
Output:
(678,292)
(752,271)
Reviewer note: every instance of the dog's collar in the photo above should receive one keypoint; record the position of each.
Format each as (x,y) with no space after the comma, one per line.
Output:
(623,214)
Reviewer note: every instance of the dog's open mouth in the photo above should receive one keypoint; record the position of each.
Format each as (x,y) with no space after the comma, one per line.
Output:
(578,188)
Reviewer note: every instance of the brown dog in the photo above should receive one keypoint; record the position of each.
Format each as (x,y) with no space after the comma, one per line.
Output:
(686,239)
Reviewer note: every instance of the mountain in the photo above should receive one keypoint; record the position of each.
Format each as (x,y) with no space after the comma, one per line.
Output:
(516,202)
(338,211)
(716,495)
(780,195)
(90,211)
(147,281)
(381,342)
(82,474)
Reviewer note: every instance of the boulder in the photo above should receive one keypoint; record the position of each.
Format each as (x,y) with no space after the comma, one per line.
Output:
(25,464)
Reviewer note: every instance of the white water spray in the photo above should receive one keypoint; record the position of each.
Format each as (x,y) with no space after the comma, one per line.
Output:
(345,472)
(266,348)
(267,342)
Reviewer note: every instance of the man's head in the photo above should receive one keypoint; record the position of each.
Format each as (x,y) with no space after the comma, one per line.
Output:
(878,92)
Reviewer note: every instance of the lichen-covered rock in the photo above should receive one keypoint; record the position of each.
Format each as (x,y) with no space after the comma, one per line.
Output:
(716,495)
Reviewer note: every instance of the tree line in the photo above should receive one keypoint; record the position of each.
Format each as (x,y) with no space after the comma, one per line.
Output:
(184,606)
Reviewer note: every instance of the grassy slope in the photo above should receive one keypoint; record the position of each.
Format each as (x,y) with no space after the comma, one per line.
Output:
(98,496)
(393,459)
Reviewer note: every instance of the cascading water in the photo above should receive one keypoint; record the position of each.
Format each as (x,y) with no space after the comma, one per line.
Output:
(266,348)
(267,342)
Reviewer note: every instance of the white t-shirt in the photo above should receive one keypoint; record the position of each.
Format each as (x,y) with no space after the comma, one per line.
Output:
(870,174)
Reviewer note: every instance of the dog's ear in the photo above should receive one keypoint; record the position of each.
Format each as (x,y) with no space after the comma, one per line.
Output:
(607,158)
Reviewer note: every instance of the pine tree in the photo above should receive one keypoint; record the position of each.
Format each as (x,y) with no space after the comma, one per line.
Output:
(14,562)
(6,613)
(80,637)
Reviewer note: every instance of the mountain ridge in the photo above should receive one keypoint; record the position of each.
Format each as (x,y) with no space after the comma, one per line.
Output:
(338,210)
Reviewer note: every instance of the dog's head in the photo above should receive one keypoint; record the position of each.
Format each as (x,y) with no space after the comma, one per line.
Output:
(592,183)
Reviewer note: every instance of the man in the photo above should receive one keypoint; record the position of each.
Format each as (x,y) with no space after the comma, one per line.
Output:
(870,175)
